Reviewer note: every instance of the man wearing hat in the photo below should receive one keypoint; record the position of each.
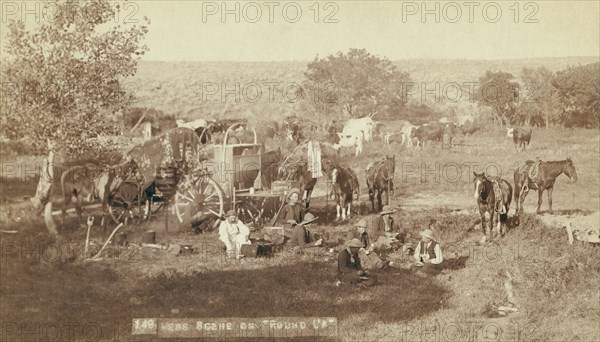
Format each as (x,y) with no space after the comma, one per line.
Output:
(350,269)
(384,232)
(369,258)
(428,254)
(292,213)
(300,236)
(234,233)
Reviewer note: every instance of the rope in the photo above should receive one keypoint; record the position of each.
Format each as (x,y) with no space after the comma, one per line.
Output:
(499,199)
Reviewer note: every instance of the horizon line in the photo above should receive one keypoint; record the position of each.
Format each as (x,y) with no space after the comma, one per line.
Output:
(392,60)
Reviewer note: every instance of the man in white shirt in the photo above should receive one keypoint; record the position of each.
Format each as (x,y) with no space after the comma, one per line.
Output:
(234,233)
(428,254)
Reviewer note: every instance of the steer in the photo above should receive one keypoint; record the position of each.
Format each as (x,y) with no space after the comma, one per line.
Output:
(351,139)
(521,137)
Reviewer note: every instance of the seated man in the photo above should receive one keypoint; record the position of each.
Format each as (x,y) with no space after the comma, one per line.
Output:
(383,231)
(300,237)
(350,269)
(234,234)
(292,212)
(428,254)
(369,258)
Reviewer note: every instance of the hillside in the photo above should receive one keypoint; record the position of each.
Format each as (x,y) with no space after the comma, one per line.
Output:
(236,89)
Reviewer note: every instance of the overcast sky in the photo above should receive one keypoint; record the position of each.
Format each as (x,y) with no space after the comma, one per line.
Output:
(196,30)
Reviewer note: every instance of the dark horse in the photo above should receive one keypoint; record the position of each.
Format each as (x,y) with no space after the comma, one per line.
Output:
(93,181)
(546,176)
(380,178)
(489,201)
(299,173)
(345,185)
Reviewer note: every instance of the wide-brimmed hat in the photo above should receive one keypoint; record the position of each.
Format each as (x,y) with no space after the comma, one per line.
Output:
(308,218)
(361,223)
(428,233)
(231,213)
(354,243)
(387,210)
(292,191)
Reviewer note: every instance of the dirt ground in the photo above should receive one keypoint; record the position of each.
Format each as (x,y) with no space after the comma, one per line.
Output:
(49,292)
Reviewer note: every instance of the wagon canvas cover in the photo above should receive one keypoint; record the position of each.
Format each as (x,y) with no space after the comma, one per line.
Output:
(177,144)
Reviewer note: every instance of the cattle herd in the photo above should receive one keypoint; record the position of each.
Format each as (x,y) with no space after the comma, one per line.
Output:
(351,133)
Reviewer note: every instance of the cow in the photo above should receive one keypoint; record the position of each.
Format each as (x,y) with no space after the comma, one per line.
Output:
(521,137)
(407,130)
(365,124)
(293,130)
(200,126)
(429,132)
(351,139)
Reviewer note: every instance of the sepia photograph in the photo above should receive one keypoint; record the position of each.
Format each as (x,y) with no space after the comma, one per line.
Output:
(308,170)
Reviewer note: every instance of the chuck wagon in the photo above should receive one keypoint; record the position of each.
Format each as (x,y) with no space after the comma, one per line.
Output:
(200,181)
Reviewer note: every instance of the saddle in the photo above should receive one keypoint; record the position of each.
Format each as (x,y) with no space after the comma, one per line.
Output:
(531,175)
(499,205)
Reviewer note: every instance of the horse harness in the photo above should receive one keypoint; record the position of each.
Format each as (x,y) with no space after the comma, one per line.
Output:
(379,167)
(498,199)
(530,175)
(499,205)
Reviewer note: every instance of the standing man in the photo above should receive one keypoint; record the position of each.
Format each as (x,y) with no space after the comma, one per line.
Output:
(428,254)
(234,234)
(350,269)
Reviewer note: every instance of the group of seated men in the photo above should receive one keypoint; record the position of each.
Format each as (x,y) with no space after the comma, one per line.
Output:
(358,253)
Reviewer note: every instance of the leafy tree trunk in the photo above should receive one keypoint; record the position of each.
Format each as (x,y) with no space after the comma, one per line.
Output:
(42,201)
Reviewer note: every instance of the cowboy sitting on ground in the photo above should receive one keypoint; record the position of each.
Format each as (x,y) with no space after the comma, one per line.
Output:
(292,212)
(369,258)
(350,269)
(300,236)
(383,231)
(428,254)
(234,234)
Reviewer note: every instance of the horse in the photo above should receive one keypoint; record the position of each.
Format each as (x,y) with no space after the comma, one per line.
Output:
(489,201)
(380,177)
(547,173)
(299,173)
(80,181)
(345,185)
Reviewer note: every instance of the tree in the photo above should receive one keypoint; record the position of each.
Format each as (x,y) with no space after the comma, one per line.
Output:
(538,102)
(64,79)
(498,91)
(354,84)
(579,92)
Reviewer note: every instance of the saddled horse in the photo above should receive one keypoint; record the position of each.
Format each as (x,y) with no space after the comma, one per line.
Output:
(493,195)
(93,182)
(380,178)
(298,172)
(547,172)
(345,185)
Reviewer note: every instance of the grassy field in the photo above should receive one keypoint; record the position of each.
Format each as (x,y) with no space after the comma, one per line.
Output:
(555,284)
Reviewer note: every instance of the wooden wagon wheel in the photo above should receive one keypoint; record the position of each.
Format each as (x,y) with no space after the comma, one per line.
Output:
(204,198)
(128,204)
(249,212)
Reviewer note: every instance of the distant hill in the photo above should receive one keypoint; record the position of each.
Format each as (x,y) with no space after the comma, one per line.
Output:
(237,89)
